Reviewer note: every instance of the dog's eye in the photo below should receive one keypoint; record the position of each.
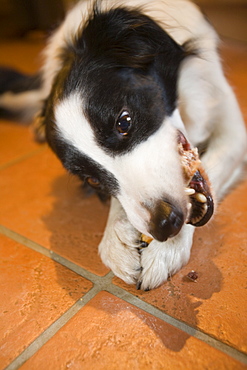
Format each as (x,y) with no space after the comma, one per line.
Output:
(124,123)
(92,181)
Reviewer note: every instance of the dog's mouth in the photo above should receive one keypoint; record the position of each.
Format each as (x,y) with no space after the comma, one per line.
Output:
(197,184)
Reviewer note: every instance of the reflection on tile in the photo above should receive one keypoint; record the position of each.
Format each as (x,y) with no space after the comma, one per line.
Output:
(109,333)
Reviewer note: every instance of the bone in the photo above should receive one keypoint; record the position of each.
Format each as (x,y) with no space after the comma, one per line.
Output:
(146,239)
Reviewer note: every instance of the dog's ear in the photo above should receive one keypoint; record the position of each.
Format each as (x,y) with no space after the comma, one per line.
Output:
(42,121)
(167,63)
(38,125)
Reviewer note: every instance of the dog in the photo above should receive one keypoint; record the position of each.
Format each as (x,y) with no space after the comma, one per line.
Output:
(122,85)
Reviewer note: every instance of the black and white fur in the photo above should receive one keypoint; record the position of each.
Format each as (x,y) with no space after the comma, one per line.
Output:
(155,63)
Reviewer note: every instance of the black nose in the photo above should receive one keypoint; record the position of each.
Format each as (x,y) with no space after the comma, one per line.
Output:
(166,221)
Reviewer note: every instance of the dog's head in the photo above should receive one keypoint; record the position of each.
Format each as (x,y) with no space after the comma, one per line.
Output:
(112,119)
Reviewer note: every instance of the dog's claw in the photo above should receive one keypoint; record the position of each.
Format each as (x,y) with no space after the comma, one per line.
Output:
(143,244)
(138,285)
(139,269)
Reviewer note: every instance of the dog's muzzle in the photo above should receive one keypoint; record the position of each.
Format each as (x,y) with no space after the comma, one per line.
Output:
(166,221)
(166,218)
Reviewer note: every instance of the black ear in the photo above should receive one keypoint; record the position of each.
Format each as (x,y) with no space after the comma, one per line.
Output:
(167,64)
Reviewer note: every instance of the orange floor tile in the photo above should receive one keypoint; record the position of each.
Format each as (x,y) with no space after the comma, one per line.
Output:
(62,308)
(35,291)
(116,335)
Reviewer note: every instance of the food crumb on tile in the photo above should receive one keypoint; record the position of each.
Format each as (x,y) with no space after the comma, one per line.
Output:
(193,276)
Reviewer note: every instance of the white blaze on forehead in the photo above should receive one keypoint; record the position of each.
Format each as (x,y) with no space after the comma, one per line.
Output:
(75,129)
(149,172)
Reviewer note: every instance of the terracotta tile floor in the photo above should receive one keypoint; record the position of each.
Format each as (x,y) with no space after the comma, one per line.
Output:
(61,308)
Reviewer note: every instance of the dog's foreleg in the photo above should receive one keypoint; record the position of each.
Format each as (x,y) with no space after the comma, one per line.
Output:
(119,246)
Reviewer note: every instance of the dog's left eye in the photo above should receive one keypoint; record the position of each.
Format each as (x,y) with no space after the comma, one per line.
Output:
(93,181)
(124,123)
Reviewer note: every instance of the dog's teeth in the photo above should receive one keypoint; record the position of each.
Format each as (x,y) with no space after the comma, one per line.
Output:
(196,219)
(189,191)
(201,198)
(203,208)
(189,206)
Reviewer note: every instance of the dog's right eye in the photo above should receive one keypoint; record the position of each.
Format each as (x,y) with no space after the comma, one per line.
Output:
(124,123)
(92,181)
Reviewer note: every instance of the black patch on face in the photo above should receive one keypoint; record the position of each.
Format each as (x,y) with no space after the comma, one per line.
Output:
(84,167)
(123,61)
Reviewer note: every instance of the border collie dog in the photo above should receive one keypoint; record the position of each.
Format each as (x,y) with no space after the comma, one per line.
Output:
(123,83)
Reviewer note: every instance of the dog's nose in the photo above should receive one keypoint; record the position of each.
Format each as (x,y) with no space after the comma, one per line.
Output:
(166,221)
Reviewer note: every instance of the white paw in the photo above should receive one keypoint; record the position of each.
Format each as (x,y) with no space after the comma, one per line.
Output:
(161,260)
(119,250)
(150,267)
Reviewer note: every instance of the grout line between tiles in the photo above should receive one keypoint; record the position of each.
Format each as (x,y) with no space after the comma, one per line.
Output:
(54,256)
(25,241)
(135,301)
(51,330)
(105,283)
(21,158)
